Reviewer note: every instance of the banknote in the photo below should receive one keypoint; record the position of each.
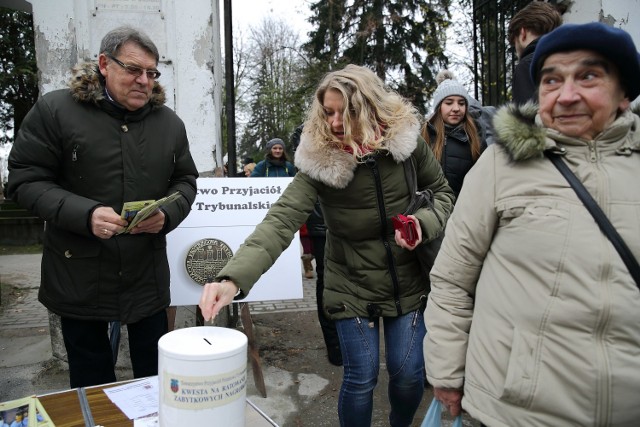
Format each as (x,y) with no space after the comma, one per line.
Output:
(137,211)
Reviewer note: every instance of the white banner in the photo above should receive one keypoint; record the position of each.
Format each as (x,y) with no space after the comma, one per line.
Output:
(225,212)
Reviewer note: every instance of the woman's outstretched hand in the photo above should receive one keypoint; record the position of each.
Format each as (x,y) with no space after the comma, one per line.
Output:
(215,296)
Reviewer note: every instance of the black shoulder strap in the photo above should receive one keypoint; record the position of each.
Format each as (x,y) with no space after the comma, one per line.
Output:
(412,183)
(419,198)
(603,222)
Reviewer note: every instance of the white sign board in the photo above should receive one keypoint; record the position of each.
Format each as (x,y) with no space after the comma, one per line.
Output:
(225,212)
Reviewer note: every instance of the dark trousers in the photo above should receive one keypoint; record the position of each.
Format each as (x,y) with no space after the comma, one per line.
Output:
(328,326)
(89,350)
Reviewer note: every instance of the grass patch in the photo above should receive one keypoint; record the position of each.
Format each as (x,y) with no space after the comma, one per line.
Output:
(20,250)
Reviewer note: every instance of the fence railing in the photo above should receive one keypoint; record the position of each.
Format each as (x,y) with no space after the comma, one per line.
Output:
(494,58)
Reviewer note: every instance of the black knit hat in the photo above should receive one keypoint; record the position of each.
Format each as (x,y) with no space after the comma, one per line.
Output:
(613,43)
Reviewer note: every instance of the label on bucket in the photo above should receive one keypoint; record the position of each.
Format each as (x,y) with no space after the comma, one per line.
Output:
(186,392)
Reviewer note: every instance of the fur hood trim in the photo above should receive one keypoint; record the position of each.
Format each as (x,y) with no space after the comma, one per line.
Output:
(335,167)
(520,131)
(87,85)
(516,130)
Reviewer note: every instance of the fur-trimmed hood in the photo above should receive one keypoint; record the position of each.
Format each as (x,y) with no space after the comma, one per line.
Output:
(335,167)
(519,130)
(87,85)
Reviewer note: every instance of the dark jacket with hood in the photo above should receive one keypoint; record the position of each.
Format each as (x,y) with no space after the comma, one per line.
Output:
(363,264)
(271,168)
(523,88)
(77,151)
(456,158)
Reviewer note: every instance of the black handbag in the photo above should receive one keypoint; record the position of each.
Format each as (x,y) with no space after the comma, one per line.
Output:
(426,251)
(603,222)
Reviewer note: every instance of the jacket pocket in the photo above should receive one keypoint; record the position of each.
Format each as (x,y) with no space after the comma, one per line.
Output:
(71,268)
(543,215)
(521,371)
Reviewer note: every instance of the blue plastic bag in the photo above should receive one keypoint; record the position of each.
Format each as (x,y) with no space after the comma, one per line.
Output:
(434,416)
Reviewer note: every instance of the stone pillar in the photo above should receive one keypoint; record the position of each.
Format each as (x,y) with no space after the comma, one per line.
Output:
(187,34)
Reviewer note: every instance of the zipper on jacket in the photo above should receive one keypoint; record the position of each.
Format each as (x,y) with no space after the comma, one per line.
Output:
(372,164)
(603,381)
(74,153)
(414,322)
(374,312)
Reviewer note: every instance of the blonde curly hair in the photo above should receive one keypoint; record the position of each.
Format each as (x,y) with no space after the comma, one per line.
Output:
(371,110)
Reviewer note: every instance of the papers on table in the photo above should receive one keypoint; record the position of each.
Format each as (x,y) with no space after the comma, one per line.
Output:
(147,422)
(136,399)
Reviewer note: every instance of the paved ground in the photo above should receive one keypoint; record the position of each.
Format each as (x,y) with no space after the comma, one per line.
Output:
(302,387)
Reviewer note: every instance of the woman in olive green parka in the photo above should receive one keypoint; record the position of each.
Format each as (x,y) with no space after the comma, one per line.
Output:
(350,158)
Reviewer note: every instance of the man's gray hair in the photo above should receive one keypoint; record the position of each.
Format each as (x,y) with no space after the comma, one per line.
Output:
(116,38)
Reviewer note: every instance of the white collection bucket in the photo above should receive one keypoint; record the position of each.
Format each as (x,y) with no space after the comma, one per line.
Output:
(202,374)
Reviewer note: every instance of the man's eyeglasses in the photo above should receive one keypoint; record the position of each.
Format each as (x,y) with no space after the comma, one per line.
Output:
(134,70)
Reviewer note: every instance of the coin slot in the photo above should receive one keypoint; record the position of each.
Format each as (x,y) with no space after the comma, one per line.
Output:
(207,341)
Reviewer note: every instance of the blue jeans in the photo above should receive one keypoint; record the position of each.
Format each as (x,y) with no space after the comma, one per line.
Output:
(360,345)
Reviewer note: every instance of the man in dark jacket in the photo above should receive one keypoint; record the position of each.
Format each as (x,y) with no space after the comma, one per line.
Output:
(525,28)
(80,154)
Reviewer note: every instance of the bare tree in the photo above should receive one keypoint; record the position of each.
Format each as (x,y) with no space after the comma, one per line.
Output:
(459,47)
(274,92)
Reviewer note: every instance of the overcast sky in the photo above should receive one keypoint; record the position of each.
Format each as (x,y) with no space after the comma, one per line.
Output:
(245,13)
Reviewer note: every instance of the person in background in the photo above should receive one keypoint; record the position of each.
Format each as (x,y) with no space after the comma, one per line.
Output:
(247,166)
(451,131)
(317,231)
(247,160)
(533,318)
(525,28)
(17,421)
(276,163)
(248,169)
(80,154)
(356,137)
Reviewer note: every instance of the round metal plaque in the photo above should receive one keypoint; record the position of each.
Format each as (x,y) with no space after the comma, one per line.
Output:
(206,258)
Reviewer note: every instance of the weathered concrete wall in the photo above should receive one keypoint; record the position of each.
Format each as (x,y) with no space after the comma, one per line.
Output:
(623,14)
(187,35)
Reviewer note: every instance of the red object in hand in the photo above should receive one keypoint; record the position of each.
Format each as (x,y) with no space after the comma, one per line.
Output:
(407,227)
